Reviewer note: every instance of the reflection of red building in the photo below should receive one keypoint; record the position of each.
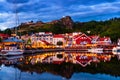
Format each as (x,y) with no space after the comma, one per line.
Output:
(82,39)
(83,60)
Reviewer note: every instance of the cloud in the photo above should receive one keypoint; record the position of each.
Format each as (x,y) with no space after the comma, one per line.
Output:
(93,11)
(7,20)
(47,10)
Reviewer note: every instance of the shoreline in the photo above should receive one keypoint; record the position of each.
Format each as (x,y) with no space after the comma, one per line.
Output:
(61,49)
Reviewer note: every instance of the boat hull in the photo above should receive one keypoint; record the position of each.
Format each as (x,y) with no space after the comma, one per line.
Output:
(96,50)
(116,50)
(11,53)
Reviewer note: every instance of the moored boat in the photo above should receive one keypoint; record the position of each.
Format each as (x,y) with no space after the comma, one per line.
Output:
(116,50)
(96,50)
(12,46)
(12,51)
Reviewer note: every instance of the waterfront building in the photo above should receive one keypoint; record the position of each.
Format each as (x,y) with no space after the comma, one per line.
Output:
(81,39)
(94,39)
(41,39)
(104,41)
(59,38)
(68,39)
(45,36)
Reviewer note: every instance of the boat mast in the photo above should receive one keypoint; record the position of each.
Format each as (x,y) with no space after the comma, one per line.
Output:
(16,16)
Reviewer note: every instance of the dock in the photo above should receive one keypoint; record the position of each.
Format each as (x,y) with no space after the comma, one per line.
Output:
(42,50)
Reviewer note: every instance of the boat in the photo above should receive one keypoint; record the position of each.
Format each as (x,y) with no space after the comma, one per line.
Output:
(116,50)
(95,50)
(12,46)
(12,51)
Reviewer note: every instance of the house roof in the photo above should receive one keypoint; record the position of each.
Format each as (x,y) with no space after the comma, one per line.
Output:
(58,36)
(48,32)
(94,37)
(104,39)
(76,36)
(80,35)
(47,43)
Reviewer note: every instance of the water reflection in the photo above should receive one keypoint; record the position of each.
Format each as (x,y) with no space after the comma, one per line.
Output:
(60,65)
(83,59)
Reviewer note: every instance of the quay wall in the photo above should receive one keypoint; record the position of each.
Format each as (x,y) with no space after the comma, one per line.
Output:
(61,49)
(42,50)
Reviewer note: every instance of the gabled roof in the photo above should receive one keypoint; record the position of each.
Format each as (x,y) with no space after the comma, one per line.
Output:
(80,35)
(76,36)
(94,37)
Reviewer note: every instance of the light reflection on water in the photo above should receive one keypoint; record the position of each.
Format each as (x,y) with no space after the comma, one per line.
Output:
(10,72)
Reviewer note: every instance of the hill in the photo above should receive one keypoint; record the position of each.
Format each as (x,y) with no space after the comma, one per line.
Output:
(65,25)
(56,26)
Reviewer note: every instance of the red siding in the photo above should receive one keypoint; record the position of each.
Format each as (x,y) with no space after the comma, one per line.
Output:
(83,40)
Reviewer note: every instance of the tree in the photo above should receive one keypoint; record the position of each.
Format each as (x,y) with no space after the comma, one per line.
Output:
(29,41)
(0,39)
(7,31)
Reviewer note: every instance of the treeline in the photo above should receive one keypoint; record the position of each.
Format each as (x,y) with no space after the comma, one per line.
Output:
(6,31)
(109,28)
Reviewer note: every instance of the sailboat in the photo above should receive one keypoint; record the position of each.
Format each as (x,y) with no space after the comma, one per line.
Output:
(13,45)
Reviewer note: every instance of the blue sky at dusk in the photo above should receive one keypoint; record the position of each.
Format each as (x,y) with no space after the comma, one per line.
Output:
(48,10)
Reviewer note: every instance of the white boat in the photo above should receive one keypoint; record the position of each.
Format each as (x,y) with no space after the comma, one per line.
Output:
(116,50)
(95,50)
(13,48)
(12,51)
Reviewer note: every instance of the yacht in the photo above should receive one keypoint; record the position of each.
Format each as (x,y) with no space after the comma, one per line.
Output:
(116,50)
(12,46)
(95,50)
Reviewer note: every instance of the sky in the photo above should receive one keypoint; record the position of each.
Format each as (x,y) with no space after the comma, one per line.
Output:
(48,10)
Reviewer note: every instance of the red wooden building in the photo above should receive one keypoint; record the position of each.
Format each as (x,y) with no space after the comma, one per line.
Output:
(82,39)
